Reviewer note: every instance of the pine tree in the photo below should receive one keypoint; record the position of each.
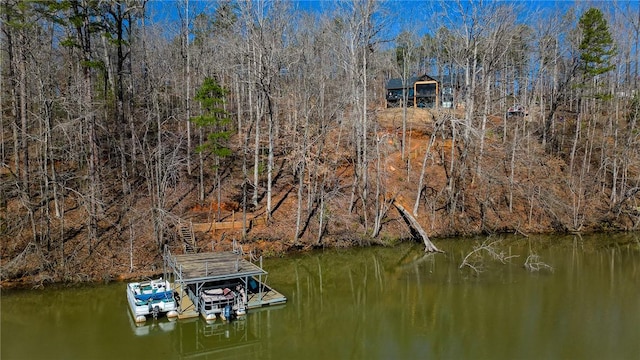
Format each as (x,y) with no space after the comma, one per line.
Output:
(597,47)
(211,97)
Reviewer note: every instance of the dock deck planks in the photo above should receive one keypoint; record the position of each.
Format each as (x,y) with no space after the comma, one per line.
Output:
(212,266)
(272,297)
(187,308)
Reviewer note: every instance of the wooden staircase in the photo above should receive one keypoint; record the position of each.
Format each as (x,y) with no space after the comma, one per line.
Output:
(188,239)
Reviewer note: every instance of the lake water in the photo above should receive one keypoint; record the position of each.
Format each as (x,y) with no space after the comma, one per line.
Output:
(371,303)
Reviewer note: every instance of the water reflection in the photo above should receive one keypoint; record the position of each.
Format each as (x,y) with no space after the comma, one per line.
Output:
(373,303)
(401,303)
(152,327)
(196,338)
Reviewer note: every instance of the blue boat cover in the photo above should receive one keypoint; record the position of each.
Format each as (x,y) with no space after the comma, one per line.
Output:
(155,296)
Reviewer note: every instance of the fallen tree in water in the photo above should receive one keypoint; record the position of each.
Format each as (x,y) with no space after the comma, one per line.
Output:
(475,261)
(415,227)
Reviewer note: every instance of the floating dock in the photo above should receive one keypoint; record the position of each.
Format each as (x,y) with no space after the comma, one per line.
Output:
(194,274)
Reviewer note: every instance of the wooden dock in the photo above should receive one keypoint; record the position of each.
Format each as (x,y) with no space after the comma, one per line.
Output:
(271,297)
(195,272)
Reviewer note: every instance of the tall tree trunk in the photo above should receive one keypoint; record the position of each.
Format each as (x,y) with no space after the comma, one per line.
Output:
(24,131)
(423,170)
(271,131)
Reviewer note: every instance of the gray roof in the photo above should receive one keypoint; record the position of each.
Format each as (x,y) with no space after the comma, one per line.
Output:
(396,83)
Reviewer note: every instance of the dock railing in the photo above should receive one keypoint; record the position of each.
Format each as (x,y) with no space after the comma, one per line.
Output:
(170,262)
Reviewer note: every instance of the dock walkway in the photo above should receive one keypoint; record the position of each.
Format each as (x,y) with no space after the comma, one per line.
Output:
(186,306)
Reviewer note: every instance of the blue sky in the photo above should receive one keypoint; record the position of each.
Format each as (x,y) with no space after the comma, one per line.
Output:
(405,14)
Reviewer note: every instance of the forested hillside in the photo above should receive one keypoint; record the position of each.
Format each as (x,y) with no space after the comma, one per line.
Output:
(120,126)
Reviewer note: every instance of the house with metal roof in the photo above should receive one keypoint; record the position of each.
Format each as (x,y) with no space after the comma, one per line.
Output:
(421,92)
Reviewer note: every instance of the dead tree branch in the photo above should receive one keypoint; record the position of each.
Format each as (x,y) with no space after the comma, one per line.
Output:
(474,260)
(533,263)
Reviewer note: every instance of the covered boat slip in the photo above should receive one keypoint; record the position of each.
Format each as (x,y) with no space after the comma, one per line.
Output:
(195,274)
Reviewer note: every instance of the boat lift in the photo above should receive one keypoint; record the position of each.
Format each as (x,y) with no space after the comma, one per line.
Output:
(193,273)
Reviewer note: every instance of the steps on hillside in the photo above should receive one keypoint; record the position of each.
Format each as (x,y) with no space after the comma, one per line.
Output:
(188,239)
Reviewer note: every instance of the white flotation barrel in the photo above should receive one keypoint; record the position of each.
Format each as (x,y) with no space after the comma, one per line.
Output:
(140,319)
(172,314)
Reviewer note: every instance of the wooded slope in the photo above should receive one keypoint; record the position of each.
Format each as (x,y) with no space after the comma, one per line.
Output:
(118,130)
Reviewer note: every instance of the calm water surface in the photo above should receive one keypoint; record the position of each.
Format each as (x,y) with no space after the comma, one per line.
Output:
(372,303)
